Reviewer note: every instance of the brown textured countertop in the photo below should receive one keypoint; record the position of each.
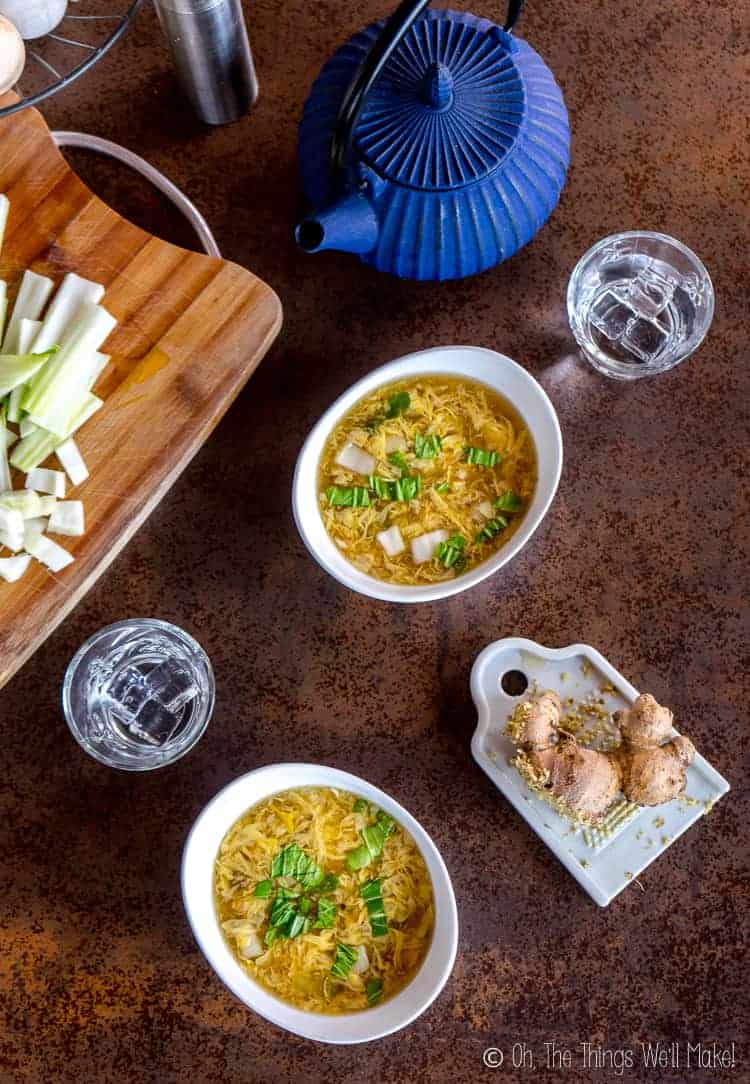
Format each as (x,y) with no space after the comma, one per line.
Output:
(644,555)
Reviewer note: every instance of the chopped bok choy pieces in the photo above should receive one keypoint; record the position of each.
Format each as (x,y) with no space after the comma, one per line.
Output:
(56,393)
(11,529)
(50,554)
(391,541)
(354,458)
(12,568)
(4,209)
(17,369)
(24,501)
(32,529)
(64,308)
(46,481)
(5,439)
(35,448)
(27,332)
(71,461)
(67,518)
(344,960)
(3,306)
(32,297)
(424,545)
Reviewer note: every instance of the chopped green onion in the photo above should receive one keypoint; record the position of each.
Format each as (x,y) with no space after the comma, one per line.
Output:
(480,457)
(343,961)
(373,840)
(405,488)
(263,889)
(398,460)
(374,990)
(371,892)
(427,447)
(293,862)
(491,528)
(398,404)
(329,882)
(508,501)
(326,919)
(448,553)
(442,487)
(348,497)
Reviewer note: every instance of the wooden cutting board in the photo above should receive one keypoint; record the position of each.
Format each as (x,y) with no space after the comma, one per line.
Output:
(191,331)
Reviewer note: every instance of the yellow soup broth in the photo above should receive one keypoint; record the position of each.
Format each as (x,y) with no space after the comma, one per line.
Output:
(310,870)
(426,478)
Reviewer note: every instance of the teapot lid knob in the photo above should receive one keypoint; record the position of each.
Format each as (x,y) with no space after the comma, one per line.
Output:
(437,87)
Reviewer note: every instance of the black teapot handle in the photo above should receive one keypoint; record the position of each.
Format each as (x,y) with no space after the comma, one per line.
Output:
(371,67)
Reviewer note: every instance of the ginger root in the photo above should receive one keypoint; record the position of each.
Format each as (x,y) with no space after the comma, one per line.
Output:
(583,782)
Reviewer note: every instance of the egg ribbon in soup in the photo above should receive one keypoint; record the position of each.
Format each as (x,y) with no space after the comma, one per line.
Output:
(324,900)
(426,478)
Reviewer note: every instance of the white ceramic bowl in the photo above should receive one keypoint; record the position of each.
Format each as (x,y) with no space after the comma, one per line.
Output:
(197,893)
(476,363)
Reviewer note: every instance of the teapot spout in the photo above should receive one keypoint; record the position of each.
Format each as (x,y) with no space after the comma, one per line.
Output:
(349,225)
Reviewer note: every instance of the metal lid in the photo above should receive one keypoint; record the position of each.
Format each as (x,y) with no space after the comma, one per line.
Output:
(448,106)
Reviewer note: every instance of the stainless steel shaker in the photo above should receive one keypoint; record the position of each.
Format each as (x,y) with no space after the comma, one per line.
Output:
(211,53)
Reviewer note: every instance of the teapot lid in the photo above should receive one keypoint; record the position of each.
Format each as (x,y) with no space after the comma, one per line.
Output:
(449,104)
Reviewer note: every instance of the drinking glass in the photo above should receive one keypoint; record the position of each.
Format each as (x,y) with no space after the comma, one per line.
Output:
(138,694)
(639,303)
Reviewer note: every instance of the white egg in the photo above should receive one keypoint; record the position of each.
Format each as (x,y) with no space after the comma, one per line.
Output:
(12,55)
(33,18)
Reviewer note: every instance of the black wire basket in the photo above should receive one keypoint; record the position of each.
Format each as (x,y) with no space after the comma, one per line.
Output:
(87,31)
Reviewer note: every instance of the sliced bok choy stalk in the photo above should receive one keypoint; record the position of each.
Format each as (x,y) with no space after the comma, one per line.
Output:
(11,527)
(13,568)
(17,369)
(48,553)
(21,500)
(32,297)
(47,505)
(26,427)
(34,449)
(67,518)
(46,481)
(4,210)
(3,306)
(354,458)
(5,479)
(58,390)
(64,309)
(33,529)
(391,541)
(423,546)
(27,332)
(71,461)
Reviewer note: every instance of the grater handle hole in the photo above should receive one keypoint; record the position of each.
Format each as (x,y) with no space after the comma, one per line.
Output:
(514,682)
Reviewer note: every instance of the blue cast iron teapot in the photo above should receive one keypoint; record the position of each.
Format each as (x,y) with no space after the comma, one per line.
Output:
(433,147)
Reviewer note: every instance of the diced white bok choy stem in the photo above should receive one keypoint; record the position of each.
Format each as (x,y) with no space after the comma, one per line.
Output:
(49,553)
(483,510)
(3,306)
(64,308)
(352,457)
(424,545)
(46,481)
(27,426)
(47,505)
(5,436)
(67,518)
(32,529)
(250,946)
(72,462)
(395,444)
(24,501)
(362,963)
(31,299)
(35,448)
(57,391)
(12,568)
(10,438)
(391,541)
(11,529)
